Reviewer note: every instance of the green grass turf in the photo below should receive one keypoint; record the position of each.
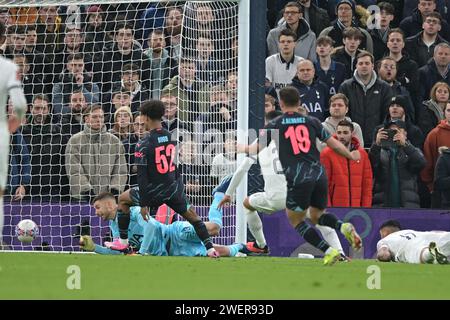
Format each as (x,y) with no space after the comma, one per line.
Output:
(44,276)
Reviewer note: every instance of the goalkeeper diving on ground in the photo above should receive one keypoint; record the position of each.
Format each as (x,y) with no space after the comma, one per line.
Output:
(155,238)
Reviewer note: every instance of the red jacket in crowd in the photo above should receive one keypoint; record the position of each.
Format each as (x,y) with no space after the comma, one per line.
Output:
(349,182)
(438,137)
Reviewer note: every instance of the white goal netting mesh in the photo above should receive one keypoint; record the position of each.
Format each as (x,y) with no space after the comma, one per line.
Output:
(115,55)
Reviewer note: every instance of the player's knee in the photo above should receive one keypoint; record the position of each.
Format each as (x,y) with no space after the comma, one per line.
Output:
(213,229)
(295,218)
(314,214)
(247,204)
(124,202)
(124,197)
(191,216)
(314,220)
(125,208)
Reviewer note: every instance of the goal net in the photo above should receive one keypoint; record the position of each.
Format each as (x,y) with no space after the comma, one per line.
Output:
(86,68)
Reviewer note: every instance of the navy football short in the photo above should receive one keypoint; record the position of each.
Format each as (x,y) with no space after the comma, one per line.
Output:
(173,196)
(311,193)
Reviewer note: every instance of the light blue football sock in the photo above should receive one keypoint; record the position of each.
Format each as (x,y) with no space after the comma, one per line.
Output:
(215,214)
(235,248)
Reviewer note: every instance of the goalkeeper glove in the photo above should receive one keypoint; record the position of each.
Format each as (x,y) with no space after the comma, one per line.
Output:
(86,243)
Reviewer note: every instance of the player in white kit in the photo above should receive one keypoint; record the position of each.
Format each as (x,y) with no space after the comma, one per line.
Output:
(10,86)
(410,246)
(273,199)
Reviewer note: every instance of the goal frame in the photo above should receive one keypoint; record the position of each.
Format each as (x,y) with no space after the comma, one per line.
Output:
(244,26)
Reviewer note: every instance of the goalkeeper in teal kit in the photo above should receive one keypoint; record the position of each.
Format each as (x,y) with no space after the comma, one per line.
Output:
(155,238)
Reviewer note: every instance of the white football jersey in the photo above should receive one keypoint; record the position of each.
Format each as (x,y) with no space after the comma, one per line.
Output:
(272,171)
(279,72)
(8,80)
(406,245)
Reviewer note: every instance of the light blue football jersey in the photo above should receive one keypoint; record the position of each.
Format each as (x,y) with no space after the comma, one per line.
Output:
(176,239)
(135,229)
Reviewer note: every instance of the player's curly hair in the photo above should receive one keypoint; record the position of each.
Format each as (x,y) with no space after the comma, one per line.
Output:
(391,223)
(153,109)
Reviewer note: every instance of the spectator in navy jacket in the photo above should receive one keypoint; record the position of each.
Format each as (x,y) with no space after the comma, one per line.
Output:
(314,94)
(438,69)
(19,169)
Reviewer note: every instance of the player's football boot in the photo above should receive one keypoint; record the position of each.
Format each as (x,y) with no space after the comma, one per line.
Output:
(116,245)
(445,249)
(131,251)
(344,258)
(223,185)
(439,257)
(254,249)
(348,230)
(331,257)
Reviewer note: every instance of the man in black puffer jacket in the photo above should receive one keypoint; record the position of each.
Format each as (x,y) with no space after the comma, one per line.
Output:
(396,164)
(442,177)
(46,145)
(369,96)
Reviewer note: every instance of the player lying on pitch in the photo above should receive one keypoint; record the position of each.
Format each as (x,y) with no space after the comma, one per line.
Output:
(155,238)
(411,246)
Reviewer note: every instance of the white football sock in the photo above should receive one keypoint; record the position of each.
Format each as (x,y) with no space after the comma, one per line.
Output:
(426,256)
(256,228)
(330,236)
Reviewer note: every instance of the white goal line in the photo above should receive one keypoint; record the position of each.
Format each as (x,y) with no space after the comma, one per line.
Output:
(50,252)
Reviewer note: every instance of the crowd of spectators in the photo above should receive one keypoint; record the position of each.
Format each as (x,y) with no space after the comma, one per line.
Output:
(381,70)
(87,68)
(362,70)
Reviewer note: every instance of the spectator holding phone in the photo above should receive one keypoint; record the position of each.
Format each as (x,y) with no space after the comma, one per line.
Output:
(395,164)
(398,110)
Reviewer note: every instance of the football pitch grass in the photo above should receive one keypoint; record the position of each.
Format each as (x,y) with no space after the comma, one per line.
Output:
(45,276)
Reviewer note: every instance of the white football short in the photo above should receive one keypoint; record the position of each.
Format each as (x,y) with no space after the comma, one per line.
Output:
(412,251)
(265,204)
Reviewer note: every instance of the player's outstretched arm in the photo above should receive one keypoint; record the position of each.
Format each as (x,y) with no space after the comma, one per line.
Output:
(15,91)
(252,149)
(339,148)
(13,123)
(18,101)
(87,244)
(226,200)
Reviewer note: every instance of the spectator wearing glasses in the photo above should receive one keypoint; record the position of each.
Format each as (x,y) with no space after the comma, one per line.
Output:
(305,41)
(346,17)
(421,46)
(413,23)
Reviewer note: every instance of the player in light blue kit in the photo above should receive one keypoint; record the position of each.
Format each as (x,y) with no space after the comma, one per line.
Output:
(155,238)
